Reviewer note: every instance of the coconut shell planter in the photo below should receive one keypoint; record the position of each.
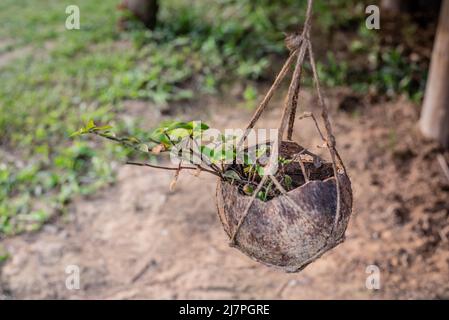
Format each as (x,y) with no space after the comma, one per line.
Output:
(289,232)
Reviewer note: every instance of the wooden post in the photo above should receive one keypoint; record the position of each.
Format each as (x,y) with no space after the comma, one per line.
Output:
(434,122)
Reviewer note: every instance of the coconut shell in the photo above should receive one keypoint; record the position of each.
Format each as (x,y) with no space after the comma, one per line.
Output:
(287,233)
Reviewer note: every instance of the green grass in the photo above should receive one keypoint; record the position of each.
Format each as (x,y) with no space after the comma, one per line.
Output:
(3,258)
(47,94)
(68,77)
(387,70)
(4,255)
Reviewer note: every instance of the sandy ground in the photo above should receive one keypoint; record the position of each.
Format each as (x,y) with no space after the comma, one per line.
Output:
(137,239)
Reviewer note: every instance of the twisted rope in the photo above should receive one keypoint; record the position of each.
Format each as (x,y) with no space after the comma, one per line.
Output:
(299,46)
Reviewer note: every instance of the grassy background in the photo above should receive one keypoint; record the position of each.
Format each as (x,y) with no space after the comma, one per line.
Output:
(66,77)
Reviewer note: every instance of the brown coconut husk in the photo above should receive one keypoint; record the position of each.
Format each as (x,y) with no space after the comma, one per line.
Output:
(293,230)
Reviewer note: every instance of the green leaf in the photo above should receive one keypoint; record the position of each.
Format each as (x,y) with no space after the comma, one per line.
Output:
(261,196)
(247,160)
(179,125)
(198,125)
(248,189)
(132,140)
(250,93)
(206,151)
(261,150)
(103,128)
(90,125)
(77,133)
(231,174)
(144,148)
(223,155)
(89,128)
(160,137)
(288,181)
(178,134)
(260,170)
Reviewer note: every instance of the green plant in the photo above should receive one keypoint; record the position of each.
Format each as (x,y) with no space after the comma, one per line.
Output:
(389,73)
(195,150)
(3,257)
(334,73)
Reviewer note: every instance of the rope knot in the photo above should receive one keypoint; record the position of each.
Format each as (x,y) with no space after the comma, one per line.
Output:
(293,41)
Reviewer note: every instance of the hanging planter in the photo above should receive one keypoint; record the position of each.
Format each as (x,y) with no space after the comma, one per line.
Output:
(284,218)
(295,228)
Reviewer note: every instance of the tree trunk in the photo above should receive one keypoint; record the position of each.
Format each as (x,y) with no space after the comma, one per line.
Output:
(145,10)
(434,122)
(392,6)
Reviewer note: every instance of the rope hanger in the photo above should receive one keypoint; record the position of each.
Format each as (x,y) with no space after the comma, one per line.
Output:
(300,46)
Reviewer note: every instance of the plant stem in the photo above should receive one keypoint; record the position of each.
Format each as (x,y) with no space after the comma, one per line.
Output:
(172,168)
